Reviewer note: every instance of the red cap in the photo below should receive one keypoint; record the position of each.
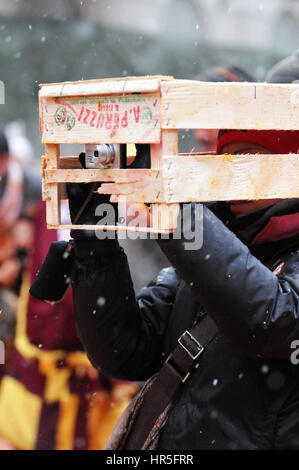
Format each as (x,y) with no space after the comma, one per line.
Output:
(279,142)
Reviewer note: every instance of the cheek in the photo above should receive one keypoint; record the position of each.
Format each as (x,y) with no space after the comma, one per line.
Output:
(206,135)
(3,166)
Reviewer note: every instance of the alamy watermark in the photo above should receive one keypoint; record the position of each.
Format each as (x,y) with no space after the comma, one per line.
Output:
(295,354)
(188,223)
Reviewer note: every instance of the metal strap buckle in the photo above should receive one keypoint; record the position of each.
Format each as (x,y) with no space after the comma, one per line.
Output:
(198,346)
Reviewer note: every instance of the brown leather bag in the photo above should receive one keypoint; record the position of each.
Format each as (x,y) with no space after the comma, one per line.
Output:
(140,425)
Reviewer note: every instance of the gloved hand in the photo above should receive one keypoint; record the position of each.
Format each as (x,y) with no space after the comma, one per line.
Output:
(83,203)
(84,200)
(53,278)
(85,209)
(143,157)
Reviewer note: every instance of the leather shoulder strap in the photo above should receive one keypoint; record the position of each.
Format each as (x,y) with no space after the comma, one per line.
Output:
(174,372)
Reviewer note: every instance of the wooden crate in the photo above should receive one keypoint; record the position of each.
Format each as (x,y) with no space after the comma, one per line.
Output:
(150,110)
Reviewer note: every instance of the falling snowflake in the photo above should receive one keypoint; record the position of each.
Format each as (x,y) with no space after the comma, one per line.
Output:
(265,369)
(101,301)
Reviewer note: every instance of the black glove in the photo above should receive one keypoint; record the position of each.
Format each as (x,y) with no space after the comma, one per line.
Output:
(143,157)
(84,201)
(53,278)
(84,206)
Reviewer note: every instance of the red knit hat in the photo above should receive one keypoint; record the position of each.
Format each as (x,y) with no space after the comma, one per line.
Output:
(279,142)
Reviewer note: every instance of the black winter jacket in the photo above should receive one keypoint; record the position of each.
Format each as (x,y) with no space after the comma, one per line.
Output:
(244,391)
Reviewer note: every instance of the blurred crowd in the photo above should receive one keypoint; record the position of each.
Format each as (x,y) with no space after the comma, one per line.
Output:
(51,397)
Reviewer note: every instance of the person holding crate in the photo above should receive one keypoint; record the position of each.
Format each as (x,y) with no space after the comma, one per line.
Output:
(242,392)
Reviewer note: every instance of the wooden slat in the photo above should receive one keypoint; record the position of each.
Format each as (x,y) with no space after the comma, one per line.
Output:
(188,104)
(167,146)
(101,119)
(110,227)
(164,216)
(44,162)
(147,190)
(52,193)
(93,175)
(111,86)
(230,177)
(136,185)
